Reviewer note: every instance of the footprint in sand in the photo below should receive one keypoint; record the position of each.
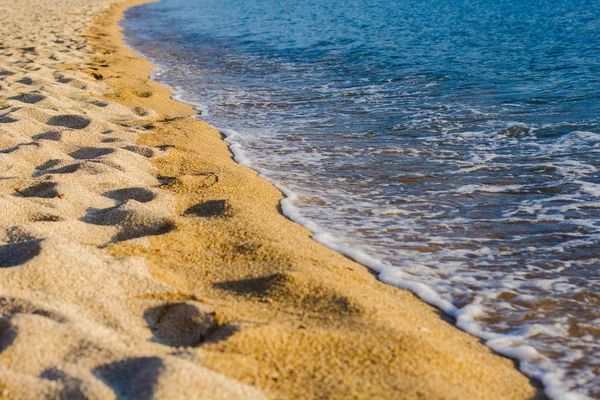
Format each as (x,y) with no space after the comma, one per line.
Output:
(142,195)
(132,378)
(86,153)
(143,151)
(212,208)
(99,103)
(25,81)
(6,118)
(133,220)
(28,98)
(46,190)
(50,135)
(69,121)
(186,324)
(70,385)
(180,324)
(14,254)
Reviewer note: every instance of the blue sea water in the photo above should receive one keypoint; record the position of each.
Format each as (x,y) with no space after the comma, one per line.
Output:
(450,145)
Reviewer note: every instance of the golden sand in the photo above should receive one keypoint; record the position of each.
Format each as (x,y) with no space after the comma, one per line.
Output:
(138,260)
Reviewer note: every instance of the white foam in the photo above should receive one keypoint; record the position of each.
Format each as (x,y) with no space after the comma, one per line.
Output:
(467,189)
(532,362)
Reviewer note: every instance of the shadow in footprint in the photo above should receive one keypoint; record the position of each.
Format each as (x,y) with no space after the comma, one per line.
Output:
(105,216)
(142,195)
(99,103)
(10,307)
(130,222)
(69,121)
(45,190)
(48,164)
(72,168)
(25,81)
(13,306)
(6,118)
(252,286)
(51,135)
(19,146)
(212,208)
(70,386)
(8,333)
(28,98)
(91,152)
(134,231)
(14,254)
(133,378)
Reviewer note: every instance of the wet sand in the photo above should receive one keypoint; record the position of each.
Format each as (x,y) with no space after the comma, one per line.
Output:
(138,260)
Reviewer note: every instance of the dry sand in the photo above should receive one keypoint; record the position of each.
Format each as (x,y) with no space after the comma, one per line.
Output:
(138,260)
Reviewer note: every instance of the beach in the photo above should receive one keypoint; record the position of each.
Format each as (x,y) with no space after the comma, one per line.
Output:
(139,260)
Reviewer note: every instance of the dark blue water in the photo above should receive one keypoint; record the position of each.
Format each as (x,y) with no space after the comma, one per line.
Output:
(452,146)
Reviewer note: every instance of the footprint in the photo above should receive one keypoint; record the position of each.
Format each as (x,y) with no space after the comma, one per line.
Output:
(8,334)
(28,98)
(48,164)
(133,378)
(212,208)
(60,78)
(86,153)
(69,121)
(46,190)
(14,254)
(99,103)
(143,95)
(70,387)
(140,111)
(50,135)
(25,81)
(12,306)
(45,218)
(77,84)
(19,146)
(6,118)
(132,219)
(260,286)
(69,169)
(142,195)
(145,226)
(87,167)
(297,290)
(180,324)
(143,151)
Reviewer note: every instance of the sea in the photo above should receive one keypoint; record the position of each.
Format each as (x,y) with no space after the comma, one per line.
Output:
(452,146)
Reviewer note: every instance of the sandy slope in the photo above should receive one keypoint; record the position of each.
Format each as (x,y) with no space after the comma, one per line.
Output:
(137,260)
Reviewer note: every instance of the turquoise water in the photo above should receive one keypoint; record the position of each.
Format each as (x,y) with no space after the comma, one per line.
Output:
(452,146)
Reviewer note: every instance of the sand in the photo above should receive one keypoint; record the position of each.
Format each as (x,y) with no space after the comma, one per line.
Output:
(138,260)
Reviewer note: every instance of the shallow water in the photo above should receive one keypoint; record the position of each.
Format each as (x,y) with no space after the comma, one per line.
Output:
(452,146)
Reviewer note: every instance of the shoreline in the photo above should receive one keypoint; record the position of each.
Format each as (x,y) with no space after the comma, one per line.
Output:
(236,292)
